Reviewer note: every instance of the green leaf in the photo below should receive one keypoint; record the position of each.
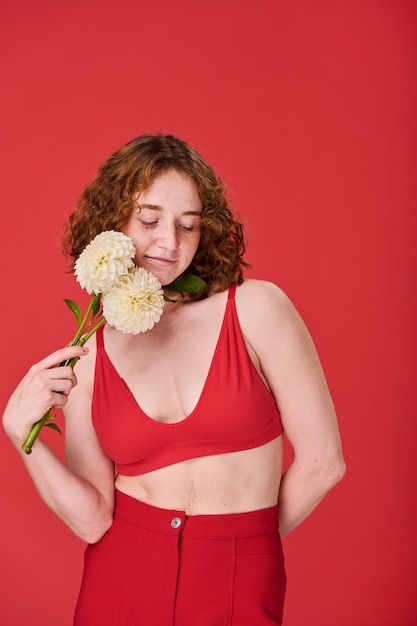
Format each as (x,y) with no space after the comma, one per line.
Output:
(73,306)
(54,427)
(95,305)
(187,283)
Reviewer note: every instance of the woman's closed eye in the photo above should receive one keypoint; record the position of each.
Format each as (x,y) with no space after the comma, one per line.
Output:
(154,223)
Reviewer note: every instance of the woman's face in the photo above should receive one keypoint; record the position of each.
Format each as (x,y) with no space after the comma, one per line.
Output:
(165,225)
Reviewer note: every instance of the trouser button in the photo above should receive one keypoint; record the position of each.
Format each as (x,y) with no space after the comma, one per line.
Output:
(176,522)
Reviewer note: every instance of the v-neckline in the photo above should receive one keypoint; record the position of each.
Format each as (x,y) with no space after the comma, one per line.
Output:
(188,417)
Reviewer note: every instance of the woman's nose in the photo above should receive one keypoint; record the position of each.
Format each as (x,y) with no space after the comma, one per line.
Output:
(168,236)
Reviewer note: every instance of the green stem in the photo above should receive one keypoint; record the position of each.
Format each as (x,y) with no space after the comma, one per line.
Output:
(91,332)
(75,340)
(34,432)
(79,341)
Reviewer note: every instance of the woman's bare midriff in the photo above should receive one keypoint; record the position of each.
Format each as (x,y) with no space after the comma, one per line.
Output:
(235,482)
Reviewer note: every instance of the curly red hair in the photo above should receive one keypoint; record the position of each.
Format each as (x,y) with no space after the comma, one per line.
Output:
(107,202)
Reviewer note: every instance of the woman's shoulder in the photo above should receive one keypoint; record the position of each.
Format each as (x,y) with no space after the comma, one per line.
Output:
(266,313)
(262,296)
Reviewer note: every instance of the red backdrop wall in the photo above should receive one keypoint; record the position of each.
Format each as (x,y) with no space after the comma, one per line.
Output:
(307,109)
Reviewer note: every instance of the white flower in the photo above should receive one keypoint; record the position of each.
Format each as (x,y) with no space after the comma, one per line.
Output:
(107,257)
(135,303)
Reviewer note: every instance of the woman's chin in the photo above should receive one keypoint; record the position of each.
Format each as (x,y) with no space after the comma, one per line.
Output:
(165,274)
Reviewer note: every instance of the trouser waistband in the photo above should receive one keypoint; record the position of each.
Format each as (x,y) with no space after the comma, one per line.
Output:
(171,521)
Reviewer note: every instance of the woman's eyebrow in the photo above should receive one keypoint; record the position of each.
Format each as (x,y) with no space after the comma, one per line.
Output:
(153,207)
(156,207)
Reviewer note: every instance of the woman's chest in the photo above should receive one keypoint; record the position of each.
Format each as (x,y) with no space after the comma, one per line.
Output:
(166,371)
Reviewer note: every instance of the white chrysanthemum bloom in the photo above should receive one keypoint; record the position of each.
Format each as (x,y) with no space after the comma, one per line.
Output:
(107,257)
(135,303)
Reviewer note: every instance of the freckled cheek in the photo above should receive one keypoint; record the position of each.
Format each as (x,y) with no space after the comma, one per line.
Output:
(139,248)
(140,240)
(193,246)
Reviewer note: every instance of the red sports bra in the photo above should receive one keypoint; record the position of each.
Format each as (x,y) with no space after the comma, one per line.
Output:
(235,411)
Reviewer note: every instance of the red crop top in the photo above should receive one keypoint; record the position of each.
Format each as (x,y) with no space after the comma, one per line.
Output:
(235,411)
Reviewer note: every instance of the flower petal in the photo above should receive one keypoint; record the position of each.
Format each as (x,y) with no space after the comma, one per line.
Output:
(107,257)
(135,303)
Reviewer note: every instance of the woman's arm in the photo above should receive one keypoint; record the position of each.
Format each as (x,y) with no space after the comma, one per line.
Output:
(81,493)
(292,369)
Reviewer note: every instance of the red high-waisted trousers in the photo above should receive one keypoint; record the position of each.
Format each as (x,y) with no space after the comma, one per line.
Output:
(156,567)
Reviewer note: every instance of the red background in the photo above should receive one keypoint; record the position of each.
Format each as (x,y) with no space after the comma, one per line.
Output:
(308,110)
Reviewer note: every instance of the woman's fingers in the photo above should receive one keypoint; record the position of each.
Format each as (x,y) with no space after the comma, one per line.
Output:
(60,356)
(46,385)
(61,385)
(56,381)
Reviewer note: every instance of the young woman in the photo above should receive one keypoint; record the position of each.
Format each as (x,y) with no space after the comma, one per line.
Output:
(174,436)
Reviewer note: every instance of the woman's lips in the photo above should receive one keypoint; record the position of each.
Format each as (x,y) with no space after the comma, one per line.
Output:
(161,260)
